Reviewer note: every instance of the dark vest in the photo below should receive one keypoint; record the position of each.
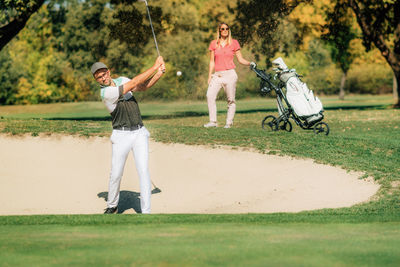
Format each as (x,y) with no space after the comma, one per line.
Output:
(126,113)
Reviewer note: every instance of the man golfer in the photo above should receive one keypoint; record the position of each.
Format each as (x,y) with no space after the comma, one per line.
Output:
(128,130)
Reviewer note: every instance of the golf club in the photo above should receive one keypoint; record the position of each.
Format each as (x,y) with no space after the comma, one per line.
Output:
(151,24)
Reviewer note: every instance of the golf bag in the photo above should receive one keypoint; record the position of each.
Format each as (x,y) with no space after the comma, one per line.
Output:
(300,97)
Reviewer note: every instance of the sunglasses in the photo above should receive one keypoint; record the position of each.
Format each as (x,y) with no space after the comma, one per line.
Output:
(224,29)
(101,76)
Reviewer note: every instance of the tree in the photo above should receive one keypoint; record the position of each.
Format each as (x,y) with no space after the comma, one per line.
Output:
(380,24)
(378,20)
(15,14)
(338,35)
(258,22)
(127,24)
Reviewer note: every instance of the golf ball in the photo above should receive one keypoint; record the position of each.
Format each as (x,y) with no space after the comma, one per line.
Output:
(178,73)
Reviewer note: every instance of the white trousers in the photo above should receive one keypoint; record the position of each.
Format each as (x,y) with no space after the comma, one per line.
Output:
(226,79)
(122,142)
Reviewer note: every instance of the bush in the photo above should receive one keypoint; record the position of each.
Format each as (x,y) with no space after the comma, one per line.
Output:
(325,80)
(369,78)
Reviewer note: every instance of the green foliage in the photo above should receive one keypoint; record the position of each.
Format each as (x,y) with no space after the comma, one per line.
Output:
(49,60)
(128,27)
(339,35)
(37,62)
(13,17)
(8,79)
(382,17)
(370,79)
(317,55)
(258,23)
(190,60)
(10,8)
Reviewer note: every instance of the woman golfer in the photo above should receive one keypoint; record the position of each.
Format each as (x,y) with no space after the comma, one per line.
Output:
(222,51)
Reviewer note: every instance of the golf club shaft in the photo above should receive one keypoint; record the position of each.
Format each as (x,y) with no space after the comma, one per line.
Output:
(152,29)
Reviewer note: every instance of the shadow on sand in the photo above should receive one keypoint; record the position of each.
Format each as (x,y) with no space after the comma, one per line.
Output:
(128,200)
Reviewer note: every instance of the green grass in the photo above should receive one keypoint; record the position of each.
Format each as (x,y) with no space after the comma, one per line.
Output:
(201,244)
(365,136)
(336,237)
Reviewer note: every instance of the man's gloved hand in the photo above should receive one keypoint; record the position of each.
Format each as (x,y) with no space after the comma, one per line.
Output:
(253,65)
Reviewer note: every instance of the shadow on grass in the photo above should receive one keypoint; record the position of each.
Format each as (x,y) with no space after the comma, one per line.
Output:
(128,200)
(202,113)
(144,117)
(102,118)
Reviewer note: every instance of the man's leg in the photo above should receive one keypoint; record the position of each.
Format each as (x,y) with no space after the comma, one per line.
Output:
(212,92)
(121,145)
(230,90)
(141,154)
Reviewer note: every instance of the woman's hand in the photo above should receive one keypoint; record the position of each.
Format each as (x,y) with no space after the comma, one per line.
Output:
(211,66)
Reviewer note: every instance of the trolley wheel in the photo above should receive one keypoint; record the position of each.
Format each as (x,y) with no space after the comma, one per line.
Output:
(321,128)
(269,123)
(284,125)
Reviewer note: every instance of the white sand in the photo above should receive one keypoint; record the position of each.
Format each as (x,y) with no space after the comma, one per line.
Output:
(69,175)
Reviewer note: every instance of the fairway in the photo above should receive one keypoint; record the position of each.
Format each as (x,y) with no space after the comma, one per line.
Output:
(203,244)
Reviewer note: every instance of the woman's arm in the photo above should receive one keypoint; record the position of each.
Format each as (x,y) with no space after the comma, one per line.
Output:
(211,66)
(241,59)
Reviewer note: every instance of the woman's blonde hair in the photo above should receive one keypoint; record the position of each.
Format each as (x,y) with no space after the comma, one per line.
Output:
(219,34)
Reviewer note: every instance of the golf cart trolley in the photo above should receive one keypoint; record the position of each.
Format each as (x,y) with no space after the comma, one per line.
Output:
(299,103)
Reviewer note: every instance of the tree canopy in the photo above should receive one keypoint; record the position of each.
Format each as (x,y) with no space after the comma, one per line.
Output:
(380,24)
(13,18)
(49,59)
(378,20)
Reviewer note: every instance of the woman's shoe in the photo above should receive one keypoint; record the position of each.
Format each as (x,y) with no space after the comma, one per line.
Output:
(210,124)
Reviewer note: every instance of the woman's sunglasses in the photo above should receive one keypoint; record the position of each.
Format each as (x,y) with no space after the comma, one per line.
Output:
(224,29)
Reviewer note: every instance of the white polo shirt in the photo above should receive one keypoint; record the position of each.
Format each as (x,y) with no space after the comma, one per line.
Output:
(110,94)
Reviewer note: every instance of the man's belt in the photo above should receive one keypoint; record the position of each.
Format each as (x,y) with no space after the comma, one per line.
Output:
(132,128)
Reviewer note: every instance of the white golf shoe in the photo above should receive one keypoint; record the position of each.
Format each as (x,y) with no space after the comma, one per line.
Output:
(210,124)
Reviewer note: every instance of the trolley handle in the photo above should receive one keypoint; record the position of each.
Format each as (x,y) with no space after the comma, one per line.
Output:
(262,74)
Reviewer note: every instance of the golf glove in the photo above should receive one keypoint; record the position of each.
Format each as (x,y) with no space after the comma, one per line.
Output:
(253,65)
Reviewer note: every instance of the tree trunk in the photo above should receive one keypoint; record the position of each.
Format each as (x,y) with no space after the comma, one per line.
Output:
(396,91)
(11,29)
(392,56)
(342,83)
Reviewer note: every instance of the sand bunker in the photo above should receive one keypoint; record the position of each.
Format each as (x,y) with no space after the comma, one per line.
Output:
(69,175)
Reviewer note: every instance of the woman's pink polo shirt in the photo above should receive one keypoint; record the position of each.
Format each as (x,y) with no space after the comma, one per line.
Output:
(223,56)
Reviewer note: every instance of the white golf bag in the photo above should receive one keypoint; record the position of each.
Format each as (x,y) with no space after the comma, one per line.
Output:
(304,103)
